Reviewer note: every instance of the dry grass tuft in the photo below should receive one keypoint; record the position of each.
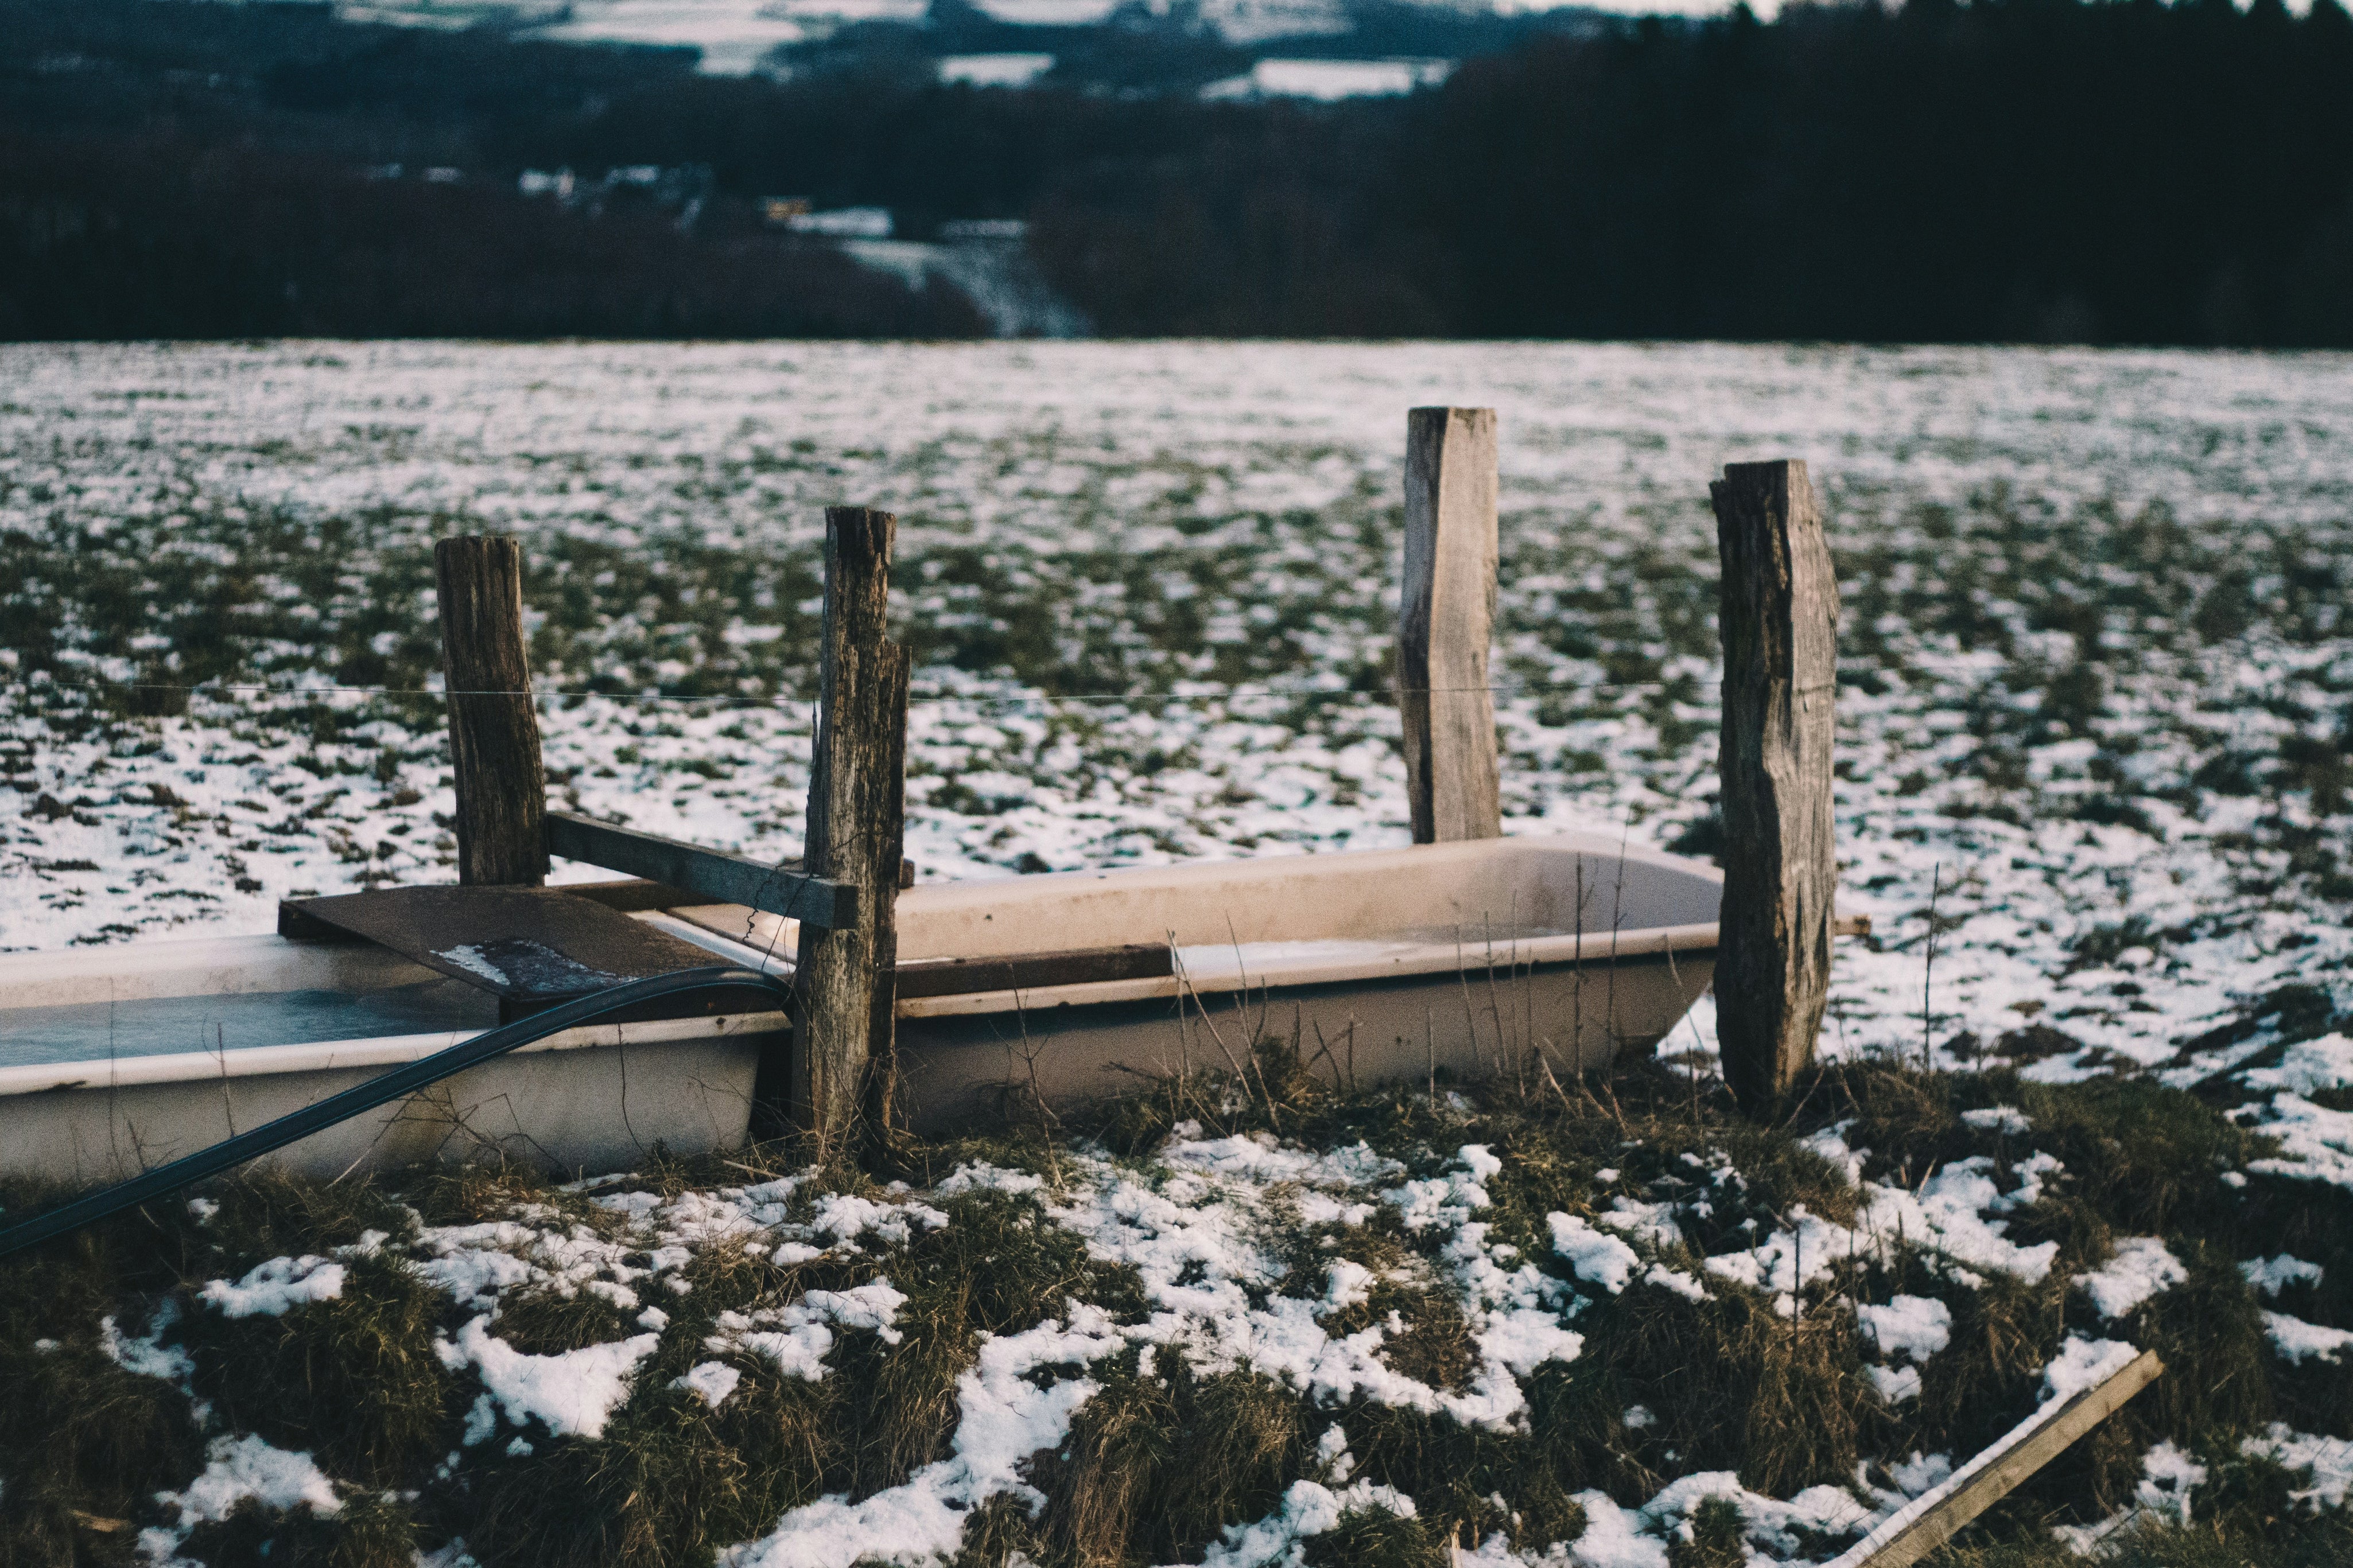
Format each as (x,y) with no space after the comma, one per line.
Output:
(353,1378)
(1717,1538)
(370,1531)
(1734,1385)
(540,1320)
(660,1491)
(266,1213)
(1157,1467)
(2003,1334)
(80,1439)
(1375,1537)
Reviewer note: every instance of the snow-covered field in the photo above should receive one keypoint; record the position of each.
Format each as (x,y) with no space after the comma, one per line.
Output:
(2093,743)
(2093,645)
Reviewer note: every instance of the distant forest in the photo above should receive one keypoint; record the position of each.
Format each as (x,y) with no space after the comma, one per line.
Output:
(2010,170)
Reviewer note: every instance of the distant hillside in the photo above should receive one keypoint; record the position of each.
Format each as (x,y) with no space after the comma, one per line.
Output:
(2046,170)
(1152,43)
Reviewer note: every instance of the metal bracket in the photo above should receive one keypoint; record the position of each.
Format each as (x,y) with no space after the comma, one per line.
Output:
(722,878)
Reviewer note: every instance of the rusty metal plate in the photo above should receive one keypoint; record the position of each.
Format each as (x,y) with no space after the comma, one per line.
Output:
(531,947)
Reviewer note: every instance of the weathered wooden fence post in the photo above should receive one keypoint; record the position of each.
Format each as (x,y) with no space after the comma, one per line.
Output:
(1779,618)
(1446,619)
(493,730)
(843,1064)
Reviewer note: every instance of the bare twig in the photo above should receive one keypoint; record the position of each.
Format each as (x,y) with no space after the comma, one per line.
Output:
(1928,976)
(1324,1049)
(1546,1063)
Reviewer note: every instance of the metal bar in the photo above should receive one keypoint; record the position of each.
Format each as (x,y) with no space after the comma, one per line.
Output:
(378,1090)
(722,878)
(1032,971)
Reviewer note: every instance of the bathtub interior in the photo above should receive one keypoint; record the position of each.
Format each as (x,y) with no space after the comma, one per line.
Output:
(169,1026)
(220,995)
(1496,890)
(226,994)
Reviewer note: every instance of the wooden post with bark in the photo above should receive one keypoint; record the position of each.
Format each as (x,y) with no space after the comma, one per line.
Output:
(1446,621)
(493,729)
(1778,619)
(842,1063)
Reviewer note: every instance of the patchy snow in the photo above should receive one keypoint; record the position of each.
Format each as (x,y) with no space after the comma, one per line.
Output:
(1894,1384)
(2316,1142)
(979,1175)
(1949,1215)
(2326,1462)
(1676,1280)
(2296,1340)
(2308,1067)
(148,1355)
(1954,1216)
(475,1262)
(2141,1266)
(1779,1527)
(2272,1274)
(573,1393)
(276,1288)
(1308,1508)
(1193,1238)
(797,1337)
(1346,1284)
(2004,1119)
(1916,1327)
(1785,1261)
(1654,1223)
(2083,1364)
(713,1380)
(1597,1258)
(236,1470)
(1920,1473)
(1614,1537)
(1004,1417)
(2168,1477)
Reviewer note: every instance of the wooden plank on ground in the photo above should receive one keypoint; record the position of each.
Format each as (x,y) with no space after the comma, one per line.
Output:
(1930,1520)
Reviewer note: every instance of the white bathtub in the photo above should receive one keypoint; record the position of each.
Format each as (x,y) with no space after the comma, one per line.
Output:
(1470,960)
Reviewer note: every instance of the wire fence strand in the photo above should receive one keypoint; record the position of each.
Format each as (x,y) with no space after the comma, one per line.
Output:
(1206,693)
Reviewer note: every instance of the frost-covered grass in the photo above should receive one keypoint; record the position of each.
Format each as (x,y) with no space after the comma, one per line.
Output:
(2094,731)
(1618,1328)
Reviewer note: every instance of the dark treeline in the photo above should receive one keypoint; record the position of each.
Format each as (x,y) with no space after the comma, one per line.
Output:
(115,238)
(175,170)
(2032,169)
(2009,170)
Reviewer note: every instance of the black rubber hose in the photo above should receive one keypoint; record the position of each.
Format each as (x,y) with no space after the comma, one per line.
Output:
(403,1080)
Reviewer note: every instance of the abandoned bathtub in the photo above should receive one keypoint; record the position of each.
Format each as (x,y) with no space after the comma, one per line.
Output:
(1459,961)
